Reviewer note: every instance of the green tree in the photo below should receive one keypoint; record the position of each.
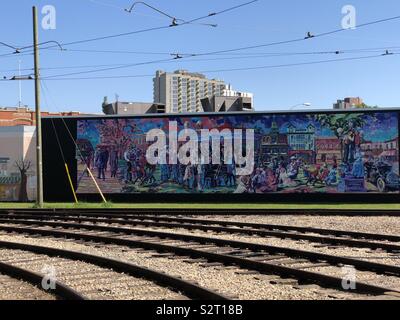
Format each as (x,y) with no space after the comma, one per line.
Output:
(341,124)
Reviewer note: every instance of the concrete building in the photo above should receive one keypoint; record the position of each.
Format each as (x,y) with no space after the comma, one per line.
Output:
(23,116)
(349,103)
(183,91)
(132,108)
(227,104)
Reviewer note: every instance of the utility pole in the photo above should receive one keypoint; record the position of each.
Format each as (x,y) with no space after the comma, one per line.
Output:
(39,171)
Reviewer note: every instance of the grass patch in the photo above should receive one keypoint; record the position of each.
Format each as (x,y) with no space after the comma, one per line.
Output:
(111,205)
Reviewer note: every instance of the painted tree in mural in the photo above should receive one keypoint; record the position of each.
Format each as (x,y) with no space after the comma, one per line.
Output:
(117,133)
(341,124)
(23,167)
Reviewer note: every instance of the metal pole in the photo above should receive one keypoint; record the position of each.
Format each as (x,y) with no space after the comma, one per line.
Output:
(39,173)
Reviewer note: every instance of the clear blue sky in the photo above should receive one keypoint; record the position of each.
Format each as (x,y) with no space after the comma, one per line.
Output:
(376,80)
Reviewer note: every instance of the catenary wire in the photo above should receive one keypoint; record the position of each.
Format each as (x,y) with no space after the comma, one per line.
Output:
(235,69)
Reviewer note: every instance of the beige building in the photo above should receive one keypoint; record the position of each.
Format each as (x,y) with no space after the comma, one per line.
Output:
(183,91)
(17,163)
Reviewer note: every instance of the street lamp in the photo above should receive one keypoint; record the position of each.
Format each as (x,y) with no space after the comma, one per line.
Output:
(304,104)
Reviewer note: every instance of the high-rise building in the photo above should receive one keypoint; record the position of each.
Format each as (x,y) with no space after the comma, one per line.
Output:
(183,91)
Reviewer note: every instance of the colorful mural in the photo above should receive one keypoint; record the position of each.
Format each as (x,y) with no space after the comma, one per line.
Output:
(293,153)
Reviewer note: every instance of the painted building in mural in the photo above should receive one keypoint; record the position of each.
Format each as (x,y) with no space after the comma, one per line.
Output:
(292,153)
(17,163)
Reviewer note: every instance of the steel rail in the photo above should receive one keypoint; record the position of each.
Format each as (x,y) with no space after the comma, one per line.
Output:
(232,212)
(189,289)
(264,233)
(263,267)
(361,264)
(355,234)
(61,290)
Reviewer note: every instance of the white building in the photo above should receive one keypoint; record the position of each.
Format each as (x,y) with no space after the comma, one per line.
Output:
(18,151)
(183,91)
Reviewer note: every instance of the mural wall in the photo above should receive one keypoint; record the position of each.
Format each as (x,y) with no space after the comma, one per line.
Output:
(17,163)
(293,153)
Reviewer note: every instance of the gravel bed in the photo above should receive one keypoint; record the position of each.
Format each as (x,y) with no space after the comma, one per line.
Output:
(231,281)
(381,225)
(379,256)
(356,253)
(14,289)
(92,281)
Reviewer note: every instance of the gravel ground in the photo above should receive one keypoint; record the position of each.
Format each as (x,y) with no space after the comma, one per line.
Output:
(357,253)
(228,281)
(13,289)
(379,256)
(382,225)
(92,281)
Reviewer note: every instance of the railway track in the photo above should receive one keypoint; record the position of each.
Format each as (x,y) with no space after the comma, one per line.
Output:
(12,288)
(291,266)
(390,243)
(216,212)
(95,277)
(25,284)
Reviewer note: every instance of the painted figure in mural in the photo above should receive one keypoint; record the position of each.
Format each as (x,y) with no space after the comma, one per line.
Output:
(323,173)
(331,179)
(350,144)
(268,181)
(101,162)
(293,168)
(175,173)
(230,175)
(114,163)
(187,178)
(128,169)
(257,180)
(140,169)
(149,178)
(164,172)
(200,177)
(358,170)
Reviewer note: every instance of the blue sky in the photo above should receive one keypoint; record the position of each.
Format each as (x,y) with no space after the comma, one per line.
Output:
(376,80)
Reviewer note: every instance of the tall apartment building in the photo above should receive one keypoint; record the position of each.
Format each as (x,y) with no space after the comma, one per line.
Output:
(183,91)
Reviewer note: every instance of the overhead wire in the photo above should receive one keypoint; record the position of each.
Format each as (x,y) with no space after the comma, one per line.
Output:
(235,57)
(145,30)
(236,69)
(309,36)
